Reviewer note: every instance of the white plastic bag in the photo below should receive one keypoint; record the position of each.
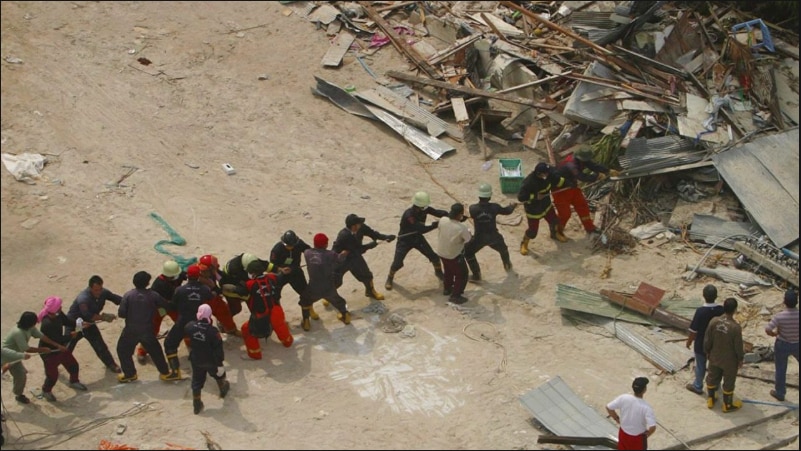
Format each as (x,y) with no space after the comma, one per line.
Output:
(26,167)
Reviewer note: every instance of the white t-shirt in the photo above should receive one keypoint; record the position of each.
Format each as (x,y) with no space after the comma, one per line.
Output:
(452,237)
(636,415)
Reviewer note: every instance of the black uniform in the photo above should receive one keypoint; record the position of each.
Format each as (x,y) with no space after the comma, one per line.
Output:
(281,257)
(86,307)
(206,354)
(138,307)
(187,299)
(410,236)
(354,262)
(484,214)
(235,274)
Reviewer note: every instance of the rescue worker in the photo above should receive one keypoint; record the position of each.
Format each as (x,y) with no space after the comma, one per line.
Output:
(484,215)
(210,276)
(187,299)
(138,307)
(577,167)
(320,264)
(350,239)
(206,356)
(53,324)
(535,193)
(723,344)
(266,313)
(452,236)
(285,258)
(88,306)
(233,280)
(410,235)
(166,283)
(16,343)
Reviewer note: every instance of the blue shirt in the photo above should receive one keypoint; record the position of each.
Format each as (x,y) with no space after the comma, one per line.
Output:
(703,315)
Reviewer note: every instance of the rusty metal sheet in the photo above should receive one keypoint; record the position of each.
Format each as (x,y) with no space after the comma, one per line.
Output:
(649,295)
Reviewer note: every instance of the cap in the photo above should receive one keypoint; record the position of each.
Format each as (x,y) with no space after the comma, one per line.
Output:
(193,271)
(352,220)
(541,168)
(639,384)
(321,241)
(790,298)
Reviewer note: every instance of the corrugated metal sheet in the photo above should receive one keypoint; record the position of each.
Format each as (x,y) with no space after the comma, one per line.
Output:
(432,147)
(572,298)
(597,19)
(562,412)
(595,113)
(711,230)
(662,152)
(764,176)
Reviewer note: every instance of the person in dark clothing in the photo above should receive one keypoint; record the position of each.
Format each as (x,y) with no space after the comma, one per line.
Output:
(577,167)
(88,306)
(210,276)
(285,259)
(187,299)
(703,315)
(53,323)
(350,239)
(410,236)
(723,344)
(266,313)
(166,283)
(206,356)
(233,279)
(138,307)
(484,215)
(320,264)
(535,193)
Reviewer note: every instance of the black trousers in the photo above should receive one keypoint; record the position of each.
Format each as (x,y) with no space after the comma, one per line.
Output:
(357,266)
(493,240)
(199,374)
(95,338)
(126,345)
(403,247)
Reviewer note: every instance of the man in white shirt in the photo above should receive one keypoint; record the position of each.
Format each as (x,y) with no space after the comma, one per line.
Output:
(453,235)
(637,419)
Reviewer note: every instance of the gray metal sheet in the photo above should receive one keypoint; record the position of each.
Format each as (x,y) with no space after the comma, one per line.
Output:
(339,47)
(341,98)
(711,230)
(562,412)
(595,113)
(432,147)
(764,176)
(661,152)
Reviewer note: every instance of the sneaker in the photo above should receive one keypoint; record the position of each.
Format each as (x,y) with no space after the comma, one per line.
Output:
(171,376)
(22,399)
(123,379)
(476,277)
(458,299)
(692,388)
(447,292)
(197,406)
(49,396)
(224,388)
(78,386)
(776,396)
(115,369)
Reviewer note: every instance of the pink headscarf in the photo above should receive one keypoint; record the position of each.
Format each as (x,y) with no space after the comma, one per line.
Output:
(204,312)
(51,305)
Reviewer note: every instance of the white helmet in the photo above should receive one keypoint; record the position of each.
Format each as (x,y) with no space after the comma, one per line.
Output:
(421,199)
(170,268)
(247,259)
(485,191)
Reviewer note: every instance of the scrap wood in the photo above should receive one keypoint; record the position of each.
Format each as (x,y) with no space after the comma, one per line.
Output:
(470,91)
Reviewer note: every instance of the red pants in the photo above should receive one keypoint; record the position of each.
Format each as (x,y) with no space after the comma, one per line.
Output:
(280,326)
(633,442)
(220,310)
(51,364)
(564,199)
(157,319)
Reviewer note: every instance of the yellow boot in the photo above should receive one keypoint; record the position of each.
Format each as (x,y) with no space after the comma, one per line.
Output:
(711,397)
(369,291)
(729,403)
(313,314)
(524,245)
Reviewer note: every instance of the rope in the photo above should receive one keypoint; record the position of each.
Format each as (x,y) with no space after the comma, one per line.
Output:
(175,239)
(491,339)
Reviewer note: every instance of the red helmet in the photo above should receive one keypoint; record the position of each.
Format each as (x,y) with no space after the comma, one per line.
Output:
(209,261)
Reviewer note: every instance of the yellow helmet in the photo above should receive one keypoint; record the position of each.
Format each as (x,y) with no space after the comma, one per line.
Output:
(170,268)
(421,199)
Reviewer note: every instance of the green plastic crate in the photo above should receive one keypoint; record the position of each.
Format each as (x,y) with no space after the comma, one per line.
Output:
(511,172)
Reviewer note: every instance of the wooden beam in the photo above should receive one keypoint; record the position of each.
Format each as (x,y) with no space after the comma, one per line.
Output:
(581,441)
(767,263)
(399,42)
(470,91)
(730,430)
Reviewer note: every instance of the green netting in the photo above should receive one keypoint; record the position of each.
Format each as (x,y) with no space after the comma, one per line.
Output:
(175,239)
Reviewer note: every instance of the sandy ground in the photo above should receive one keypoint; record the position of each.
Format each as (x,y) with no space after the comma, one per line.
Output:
(81,99)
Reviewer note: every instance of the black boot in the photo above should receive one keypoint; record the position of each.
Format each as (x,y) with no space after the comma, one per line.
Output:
(475,268)
(711,397)
(197,404)
(175,368)
(438,271)
(223,385)
(388,283)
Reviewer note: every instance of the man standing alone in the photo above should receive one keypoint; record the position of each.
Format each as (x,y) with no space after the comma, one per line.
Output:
(784,326)
(637,419)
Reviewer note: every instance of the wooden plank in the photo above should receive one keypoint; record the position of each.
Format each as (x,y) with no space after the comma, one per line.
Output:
(471,91)
(338,48)
(730,430)
(632,133)
(460,110)
(531,137)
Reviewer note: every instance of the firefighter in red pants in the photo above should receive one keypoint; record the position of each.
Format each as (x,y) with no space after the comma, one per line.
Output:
(210,276)
(575,168)
(266,313)
(165,284)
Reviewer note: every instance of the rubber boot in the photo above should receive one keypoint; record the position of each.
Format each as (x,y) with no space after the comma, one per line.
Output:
(223,385)
(197,404)
(475,268)
(344,317)
(388,283)
(369,291)
(711,396)
(557,232)
(438,271)
(305,322)
(175,368)
(524,245)
(313,314)
(326,303)
(729,403)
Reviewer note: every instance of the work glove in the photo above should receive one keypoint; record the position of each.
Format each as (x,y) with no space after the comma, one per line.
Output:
(162,312)
(614,173)
(601,176)
(371,245)
(390,238)
(108,317)
(220,371)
